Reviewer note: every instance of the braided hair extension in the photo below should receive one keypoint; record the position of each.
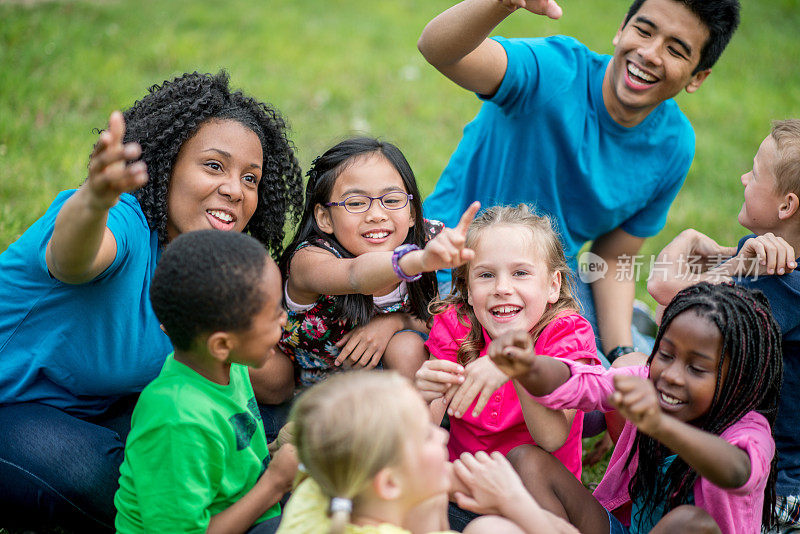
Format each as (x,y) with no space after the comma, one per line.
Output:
(751,342)
(163,120)
(357,309)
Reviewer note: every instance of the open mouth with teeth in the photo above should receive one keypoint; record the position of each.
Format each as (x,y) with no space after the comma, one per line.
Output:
(376,236)
(637,78)
(505,312)
(221,220)
(668,401)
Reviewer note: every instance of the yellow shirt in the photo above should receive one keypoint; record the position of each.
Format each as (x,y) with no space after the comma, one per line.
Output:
(307,513)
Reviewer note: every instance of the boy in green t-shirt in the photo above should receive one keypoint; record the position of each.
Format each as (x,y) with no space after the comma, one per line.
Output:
(196,459)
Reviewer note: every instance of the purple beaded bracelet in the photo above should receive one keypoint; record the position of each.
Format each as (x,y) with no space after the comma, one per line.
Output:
(398,253)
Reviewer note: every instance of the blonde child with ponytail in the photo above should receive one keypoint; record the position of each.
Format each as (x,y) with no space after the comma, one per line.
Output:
(378,465)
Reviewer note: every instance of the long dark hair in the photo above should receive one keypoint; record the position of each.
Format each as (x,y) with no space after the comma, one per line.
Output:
(358,309)
(751,343)
(163,120)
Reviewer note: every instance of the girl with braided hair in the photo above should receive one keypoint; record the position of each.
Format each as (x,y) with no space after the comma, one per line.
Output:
(78,336)
(696,452)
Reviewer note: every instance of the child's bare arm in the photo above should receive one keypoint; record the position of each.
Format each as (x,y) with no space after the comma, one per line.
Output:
(685,261)
(81,246)
(714,459)
(549,428)
(513,354)
(315,271)
(269,489)
(455,42)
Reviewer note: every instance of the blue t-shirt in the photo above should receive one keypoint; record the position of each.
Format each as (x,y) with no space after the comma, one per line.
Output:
(783,294)
(80,347)
(547,138)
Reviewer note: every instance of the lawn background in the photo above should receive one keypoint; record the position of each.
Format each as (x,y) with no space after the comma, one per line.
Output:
(337,68)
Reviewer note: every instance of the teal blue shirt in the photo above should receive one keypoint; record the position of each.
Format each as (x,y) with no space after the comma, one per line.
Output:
(80,347)
(546,138)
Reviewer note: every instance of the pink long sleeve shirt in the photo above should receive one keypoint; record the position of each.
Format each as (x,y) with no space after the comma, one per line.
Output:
(736,510)
(501,425)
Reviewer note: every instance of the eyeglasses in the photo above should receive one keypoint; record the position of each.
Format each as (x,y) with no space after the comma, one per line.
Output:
(394,200)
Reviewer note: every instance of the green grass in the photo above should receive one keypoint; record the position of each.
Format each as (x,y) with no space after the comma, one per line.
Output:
(336,68)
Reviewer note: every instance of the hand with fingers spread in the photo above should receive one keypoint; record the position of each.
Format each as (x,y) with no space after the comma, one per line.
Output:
(438,379)
(481,378)
(364,346)
(765,255)
(548,8)
(446,250)
(636,400)
(110,173)
(513,353)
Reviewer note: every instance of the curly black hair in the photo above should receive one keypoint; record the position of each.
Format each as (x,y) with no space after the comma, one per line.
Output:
(173,112)
(751,343)
(208,281)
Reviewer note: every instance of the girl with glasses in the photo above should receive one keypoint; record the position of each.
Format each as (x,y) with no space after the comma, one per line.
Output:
(359,272)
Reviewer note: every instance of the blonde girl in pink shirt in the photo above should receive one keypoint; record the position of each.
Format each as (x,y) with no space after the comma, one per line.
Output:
(518,280)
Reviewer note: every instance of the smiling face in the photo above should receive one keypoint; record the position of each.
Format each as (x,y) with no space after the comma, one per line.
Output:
(761,206)
(214,182)
(509,284)
(655,55)
(254,346)
(684,369)
(377,229)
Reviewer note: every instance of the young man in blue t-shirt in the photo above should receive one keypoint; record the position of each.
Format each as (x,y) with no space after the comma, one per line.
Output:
(596,142)
(765,260)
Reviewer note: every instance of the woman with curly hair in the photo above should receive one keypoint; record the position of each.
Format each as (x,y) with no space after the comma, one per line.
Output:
(78,336)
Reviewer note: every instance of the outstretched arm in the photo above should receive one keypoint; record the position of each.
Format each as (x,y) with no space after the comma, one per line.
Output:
(315,271)
(513,354)
(714,459)
(81,246)
(455,42)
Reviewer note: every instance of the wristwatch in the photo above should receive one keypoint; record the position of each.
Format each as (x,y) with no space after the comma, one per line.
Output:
(618,351)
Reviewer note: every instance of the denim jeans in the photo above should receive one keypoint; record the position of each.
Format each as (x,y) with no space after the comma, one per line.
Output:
(59,470)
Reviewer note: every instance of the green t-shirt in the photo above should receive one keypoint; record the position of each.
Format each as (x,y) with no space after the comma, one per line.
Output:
(307,513)
(194,449)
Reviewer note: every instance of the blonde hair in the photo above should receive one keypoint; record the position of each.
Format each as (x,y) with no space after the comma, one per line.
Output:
(547,239)
(786,134)
(347,429)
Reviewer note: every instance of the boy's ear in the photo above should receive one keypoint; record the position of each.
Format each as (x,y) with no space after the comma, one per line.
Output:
(697,80)
(788,207)
(220,345)
(386,484)
(323,217)
(555,287)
